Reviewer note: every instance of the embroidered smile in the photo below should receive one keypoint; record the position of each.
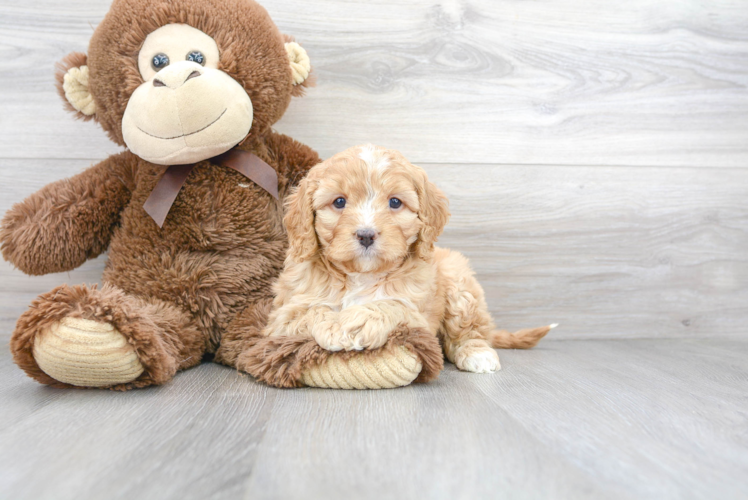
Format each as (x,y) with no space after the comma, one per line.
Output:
(185,135)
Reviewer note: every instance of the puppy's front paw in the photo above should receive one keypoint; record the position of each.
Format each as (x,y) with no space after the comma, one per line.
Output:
(368,337)
(331,337)
(478,360)
(363,329)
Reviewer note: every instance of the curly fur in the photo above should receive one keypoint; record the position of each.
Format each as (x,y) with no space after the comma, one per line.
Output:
(347,296)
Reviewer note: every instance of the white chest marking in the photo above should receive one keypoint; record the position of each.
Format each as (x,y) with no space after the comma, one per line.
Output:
(363,288)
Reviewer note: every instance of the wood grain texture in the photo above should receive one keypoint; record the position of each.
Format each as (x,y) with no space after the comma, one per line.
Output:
(595,156)
(629,419)
(613,252)
(479,81)
(169,442)
(569,419)
(607,252)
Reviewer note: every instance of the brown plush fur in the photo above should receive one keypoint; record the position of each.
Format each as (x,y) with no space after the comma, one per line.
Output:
(280,361)
(69,221)
(174,291)
(164,337)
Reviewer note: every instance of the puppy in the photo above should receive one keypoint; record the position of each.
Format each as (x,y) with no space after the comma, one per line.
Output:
(361,261)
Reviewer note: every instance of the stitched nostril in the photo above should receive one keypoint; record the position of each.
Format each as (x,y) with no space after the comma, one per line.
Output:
(194,74)
(158,83)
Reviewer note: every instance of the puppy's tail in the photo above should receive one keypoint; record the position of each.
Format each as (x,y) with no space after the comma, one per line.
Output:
(522,339)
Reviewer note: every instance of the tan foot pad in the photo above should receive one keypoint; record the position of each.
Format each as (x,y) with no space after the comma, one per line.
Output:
(394,368)
(410,355)
(86,353)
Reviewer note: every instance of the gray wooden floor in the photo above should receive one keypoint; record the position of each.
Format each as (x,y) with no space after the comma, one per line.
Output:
(570,419)
(596,157)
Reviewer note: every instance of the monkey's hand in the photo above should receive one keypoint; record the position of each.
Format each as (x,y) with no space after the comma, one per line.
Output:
(69,221)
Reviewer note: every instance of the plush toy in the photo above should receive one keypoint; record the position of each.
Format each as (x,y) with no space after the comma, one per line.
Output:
(410,355)
(191,213)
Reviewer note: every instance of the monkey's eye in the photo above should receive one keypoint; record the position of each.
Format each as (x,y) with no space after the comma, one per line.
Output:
(160,61)
(196,56)
(395,203)
(339,202)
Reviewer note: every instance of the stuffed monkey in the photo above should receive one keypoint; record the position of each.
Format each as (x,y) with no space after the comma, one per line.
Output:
(190,213)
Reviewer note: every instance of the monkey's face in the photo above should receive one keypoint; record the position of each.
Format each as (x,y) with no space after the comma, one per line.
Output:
(187,109)
(181,81)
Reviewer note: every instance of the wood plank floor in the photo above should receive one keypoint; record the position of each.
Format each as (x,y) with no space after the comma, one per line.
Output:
(596,160)
(569,419)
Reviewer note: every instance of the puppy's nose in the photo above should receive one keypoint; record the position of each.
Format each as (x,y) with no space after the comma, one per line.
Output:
(366,237)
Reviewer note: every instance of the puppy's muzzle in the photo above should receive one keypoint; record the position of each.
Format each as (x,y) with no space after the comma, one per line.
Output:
(366,237)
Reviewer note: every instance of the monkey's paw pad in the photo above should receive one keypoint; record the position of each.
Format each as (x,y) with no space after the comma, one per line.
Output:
(390,369)
(479,361)
(86,353)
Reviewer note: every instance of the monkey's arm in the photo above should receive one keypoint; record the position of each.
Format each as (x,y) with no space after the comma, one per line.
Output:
(293,158)
(71,220)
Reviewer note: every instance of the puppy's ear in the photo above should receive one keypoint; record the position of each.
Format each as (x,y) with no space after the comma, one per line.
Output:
(299,221)
(434,213)
(72,85)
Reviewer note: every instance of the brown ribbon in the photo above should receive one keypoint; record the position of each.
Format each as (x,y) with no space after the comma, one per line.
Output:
(249,165)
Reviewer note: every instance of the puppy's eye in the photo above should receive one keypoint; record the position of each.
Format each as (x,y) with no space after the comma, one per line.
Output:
(197,57)
(160,61)
(395,203)
(339,202)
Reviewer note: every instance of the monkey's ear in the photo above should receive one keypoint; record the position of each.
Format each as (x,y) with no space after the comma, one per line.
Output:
(301,66)
(72,85)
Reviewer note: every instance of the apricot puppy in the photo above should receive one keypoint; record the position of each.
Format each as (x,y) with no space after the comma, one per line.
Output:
(361,261)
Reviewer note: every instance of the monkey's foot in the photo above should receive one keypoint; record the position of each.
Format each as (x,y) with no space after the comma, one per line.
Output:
(409,355)
(86,353)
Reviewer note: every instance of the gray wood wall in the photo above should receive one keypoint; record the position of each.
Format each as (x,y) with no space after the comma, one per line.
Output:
(595,153)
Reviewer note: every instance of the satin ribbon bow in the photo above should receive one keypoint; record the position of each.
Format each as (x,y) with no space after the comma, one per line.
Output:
(249,165)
